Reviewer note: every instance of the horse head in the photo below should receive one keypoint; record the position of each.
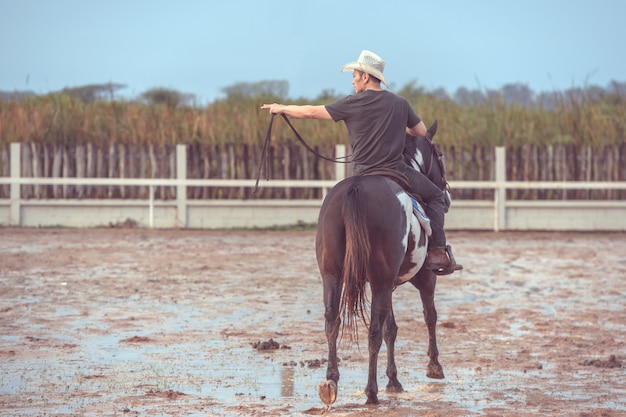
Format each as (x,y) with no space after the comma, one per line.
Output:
(422,154)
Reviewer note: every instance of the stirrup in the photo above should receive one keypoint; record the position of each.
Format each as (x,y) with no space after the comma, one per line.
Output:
(453,267)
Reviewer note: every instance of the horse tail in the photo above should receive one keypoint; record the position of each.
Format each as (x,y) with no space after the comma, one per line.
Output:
(357,258)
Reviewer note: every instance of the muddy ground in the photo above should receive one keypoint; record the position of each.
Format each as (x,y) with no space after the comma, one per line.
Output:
(135,322)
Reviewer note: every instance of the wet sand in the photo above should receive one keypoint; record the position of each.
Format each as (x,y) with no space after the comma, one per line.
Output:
(139,322)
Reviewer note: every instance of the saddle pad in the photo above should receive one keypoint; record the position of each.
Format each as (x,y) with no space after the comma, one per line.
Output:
(418,211)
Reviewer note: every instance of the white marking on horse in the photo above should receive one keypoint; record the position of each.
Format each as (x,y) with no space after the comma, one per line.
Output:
(418,255)
(418,161)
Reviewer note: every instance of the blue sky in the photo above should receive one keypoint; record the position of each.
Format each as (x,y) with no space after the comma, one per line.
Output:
(200,47)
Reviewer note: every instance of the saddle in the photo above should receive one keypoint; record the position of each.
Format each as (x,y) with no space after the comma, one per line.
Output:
(402,180)
(394,175)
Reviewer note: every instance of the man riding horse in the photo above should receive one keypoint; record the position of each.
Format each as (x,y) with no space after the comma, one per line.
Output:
(377,121)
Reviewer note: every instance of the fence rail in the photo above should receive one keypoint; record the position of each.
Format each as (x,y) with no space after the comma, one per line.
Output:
(497,214)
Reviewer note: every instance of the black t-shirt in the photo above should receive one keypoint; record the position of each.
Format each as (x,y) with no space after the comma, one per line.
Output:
(376,122)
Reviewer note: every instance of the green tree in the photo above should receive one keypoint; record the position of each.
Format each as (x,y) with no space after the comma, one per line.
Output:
(92,92)
(268,88)
(171,98)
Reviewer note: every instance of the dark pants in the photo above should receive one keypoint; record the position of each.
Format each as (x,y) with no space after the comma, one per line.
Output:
(435,202)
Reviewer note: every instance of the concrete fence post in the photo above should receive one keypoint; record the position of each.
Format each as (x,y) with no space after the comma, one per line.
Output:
(151,207)
(340,167)
(500,191)
(181,187)
(16,171)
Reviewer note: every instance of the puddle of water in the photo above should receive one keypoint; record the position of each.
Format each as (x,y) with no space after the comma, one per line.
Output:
(257,379)
(236,375)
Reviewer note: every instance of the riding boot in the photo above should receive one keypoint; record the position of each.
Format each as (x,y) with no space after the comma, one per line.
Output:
(441,261)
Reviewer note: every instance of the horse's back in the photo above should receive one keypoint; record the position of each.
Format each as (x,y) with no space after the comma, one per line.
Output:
(373,198)
(380,201)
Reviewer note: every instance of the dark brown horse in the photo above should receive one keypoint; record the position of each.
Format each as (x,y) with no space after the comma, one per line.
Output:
(367,233)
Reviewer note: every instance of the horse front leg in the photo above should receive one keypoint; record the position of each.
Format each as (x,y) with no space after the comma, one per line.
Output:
(425,282)
(391,331)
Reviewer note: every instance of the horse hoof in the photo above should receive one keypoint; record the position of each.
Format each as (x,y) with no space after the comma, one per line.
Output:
(435,372)
(372,400)
(397,387)
(328,392)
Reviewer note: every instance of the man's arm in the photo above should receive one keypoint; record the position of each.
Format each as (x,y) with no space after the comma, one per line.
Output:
(417,130)
(299,112)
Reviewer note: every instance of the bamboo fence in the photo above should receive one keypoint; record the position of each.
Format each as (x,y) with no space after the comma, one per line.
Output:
(289,160)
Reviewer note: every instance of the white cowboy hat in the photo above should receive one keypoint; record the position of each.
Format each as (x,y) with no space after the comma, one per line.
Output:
(368,62)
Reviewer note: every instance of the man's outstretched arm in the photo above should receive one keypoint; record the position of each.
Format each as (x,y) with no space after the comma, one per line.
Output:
(299,112)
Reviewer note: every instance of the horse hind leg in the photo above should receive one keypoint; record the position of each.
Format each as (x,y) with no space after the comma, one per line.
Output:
(380,310)
(425,282)
(332,295)
(391,331)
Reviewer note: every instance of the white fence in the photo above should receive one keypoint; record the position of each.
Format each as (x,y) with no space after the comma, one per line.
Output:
(498,214)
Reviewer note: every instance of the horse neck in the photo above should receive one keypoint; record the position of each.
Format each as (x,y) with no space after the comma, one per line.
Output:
(419,154)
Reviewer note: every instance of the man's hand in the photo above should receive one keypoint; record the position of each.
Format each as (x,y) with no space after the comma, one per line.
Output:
(274,108)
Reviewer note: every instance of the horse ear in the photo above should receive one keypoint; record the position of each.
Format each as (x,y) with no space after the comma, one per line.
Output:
(430,133)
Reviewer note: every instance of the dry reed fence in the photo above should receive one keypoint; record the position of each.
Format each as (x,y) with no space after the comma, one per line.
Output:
(289,160)
(204,161)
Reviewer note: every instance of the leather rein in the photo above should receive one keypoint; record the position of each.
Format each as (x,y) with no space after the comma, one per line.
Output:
(264,150)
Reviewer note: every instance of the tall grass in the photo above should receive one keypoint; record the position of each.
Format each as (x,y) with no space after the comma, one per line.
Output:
(62,119)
